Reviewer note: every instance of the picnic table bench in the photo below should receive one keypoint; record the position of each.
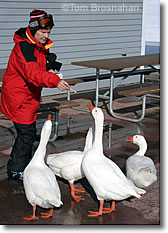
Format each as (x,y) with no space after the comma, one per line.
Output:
(141,91)
(55,107)
(115,66)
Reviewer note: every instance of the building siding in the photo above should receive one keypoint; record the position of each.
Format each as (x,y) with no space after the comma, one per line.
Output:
(84,30)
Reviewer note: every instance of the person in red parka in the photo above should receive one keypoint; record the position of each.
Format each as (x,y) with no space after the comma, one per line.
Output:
(28,71)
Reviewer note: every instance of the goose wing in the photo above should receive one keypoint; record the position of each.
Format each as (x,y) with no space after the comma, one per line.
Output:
(43,185)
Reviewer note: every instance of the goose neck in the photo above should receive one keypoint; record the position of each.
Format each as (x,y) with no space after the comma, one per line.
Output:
(142,149)
(98,141)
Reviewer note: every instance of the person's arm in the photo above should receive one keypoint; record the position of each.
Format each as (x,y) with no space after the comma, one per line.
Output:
(30,69)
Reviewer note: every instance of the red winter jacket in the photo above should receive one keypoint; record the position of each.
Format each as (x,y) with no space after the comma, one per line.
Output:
(25,77)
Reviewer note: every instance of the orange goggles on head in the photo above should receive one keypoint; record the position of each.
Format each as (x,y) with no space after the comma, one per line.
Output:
(43,22)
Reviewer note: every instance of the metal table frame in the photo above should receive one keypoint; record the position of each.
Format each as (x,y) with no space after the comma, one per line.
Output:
(109,95)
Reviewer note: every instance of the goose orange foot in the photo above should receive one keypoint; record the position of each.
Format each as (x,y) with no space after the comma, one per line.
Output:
(76,191)
(79,191)
(77,198)
(94,213)
(109,209)
(33,217)
(142,195)
(48,214)
(97,213)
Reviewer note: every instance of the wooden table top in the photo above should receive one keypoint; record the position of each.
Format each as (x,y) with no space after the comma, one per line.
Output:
(121,63)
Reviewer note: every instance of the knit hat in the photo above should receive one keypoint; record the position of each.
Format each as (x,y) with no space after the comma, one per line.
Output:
(39,19)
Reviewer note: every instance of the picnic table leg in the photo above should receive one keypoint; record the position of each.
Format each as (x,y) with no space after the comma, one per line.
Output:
(110,134)
(119,116)
(54,137)
(97,87)
(68,95)
(142,79)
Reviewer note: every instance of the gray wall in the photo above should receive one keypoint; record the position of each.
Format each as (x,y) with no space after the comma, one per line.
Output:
(84,30)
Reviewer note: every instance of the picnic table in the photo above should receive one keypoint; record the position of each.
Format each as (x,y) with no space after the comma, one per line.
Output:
(116,67)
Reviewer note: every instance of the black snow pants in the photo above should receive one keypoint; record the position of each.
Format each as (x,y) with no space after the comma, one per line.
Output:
(21,153)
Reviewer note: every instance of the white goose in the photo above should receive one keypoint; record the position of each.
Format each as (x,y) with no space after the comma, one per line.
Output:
(105,177)
(68,165)
(41,187)
(139,168)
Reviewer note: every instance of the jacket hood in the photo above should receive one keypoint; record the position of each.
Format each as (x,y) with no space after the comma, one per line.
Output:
(24,34)
(20,35)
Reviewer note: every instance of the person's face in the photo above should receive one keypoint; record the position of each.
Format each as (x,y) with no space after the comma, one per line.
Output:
(42,35)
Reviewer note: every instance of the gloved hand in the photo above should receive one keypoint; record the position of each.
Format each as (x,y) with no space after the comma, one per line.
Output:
(52,63)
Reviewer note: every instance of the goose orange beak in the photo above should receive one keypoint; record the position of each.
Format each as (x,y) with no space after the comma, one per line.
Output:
(130,139)
(91,107)
(49,117)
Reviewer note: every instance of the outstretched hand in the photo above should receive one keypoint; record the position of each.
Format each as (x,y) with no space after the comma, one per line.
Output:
(63,85)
